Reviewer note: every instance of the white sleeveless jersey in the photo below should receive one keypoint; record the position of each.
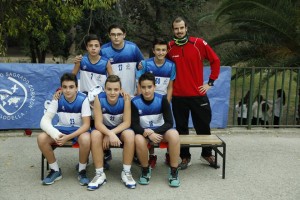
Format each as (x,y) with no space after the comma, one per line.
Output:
(112,114)
(151,115)
(163,74)
(92,75)
(70,113)
(124,62)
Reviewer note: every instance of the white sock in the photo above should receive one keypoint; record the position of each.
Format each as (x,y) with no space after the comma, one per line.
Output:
(99,170)
(81,167)
(54,166)
(126,168)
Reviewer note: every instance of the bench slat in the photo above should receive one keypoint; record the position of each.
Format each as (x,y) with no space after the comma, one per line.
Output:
(199,139)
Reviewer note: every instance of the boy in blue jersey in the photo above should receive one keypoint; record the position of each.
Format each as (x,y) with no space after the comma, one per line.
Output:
(74,113)
(124,57)
(152,121)
(112,120)
(165,72)
(93,67)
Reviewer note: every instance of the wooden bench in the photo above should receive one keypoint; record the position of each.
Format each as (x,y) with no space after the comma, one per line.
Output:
(212,141)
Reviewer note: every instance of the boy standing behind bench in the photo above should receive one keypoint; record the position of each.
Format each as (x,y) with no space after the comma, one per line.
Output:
(74,113)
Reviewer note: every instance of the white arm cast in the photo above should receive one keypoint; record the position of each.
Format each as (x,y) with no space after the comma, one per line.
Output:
(46,125)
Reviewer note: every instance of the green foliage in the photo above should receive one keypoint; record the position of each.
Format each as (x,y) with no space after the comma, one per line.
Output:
(44,26)
(262,33)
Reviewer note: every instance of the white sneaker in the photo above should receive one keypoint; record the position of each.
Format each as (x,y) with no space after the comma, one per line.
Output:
(127,179)
(98,180)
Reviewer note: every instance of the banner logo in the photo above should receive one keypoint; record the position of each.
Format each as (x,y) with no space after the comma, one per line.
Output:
(17,96)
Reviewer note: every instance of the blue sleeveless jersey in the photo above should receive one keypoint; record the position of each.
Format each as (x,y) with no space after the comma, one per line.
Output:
(163,74)
(92,75)
(151,115)
(112,114)
(70,113)
(124,62)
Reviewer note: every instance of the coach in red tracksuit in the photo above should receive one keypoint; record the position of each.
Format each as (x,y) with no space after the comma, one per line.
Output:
(189,91)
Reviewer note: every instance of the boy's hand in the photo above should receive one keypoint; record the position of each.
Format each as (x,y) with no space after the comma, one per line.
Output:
(62,139)
(114,140)
(57,94)
(140,66)
(77,59)
(155,137)
(105,142)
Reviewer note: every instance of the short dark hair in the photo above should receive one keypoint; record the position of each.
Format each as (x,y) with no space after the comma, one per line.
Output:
(116,26)
(179,19)
(147,76)
(159,41)
(68,77)
(90,37)
(113,79)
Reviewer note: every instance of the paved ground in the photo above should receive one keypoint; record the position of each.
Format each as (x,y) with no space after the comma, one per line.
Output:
(261,164)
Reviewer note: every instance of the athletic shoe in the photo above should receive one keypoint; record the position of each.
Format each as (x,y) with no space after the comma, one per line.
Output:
(167,159)
(173,178)
(106,165)
(52,176)
(145,176)
(152,161)
(185,163)
(127,179)
(210,160)
(107,155)
(136,160)
(98,180)
(83,180)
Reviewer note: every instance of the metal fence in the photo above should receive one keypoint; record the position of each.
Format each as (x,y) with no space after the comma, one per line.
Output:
(264,97)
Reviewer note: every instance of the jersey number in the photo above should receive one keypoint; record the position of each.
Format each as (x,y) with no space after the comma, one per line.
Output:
(151,123)
(72,122)
(120,67)
(157,80)
(112,118)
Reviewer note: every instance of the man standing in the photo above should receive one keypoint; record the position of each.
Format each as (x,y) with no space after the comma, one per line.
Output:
(189,91)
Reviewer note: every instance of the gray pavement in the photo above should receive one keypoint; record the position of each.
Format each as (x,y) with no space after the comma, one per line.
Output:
(261,164)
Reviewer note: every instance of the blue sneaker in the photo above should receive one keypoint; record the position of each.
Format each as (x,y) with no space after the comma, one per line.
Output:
(52,176)
(145,177)
(173,178)
(83,180)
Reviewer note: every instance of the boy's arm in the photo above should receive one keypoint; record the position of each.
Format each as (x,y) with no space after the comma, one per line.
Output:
(170,91)
(135,120)
(109,68)
(77,61)
(167,115)
(46,121)
(126,116)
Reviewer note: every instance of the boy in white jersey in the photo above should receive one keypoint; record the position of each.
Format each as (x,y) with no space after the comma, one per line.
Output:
(74,113)
(152,121)
(112,120)
(165,72)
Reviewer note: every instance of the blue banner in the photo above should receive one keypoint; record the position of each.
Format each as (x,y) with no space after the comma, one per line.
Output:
(27,89)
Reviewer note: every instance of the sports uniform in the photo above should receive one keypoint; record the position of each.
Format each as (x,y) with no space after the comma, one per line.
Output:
(124,62)
(92,75)
(163,74)
(70,113)
(112,114)
(155,114)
